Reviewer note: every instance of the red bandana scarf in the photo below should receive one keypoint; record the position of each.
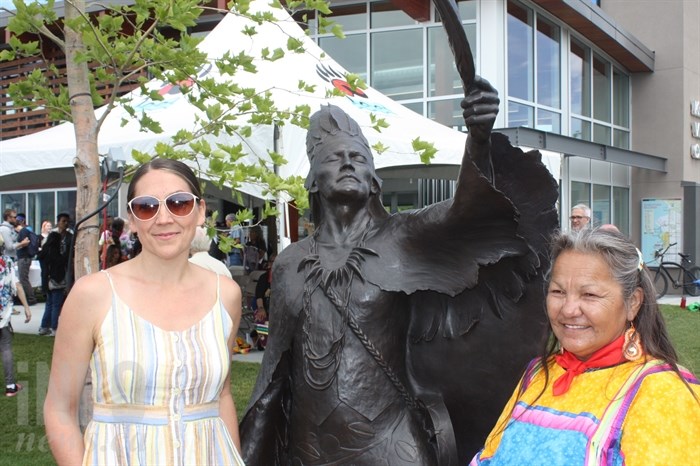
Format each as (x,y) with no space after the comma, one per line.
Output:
(608,355)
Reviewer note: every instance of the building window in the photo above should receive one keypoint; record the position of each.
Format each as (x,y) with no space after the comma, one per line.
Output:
(580,79)
(350,53)
(408,61)
(40,205)
(397,63)
(520,52)
(534,70)
(599,98)
(621,208)
(608,204)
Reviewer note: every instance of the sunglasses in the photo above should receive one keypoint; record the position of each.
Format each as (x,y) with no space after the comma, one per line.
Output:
(147,207)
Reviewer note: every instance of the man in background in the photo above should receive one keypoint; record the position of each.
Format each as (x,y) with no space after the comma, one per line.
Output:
(580,217)
(25,256)
(8,231)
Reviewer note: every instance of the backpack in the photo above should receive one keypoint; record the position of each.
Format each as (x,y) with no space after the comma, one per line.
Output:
(34,244)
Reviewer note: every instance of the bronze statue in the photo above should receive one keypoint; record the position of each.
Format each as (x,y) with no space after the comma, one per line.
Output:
(397,339)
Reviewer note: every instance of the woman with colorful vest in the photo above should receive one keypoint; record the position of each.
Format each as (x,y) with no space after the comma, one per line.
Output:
(607,389)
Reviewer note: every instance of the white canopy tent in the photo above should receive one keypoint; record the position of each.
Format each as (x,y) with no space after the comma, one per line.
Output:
(55,147)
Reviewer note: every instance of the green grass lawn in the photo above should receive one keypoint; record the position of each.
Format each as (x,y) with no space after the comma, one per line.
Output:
(22,437)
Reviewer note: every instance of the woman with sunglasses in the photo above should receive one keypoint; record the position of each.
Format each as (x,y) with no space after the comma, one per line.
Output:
(157,334)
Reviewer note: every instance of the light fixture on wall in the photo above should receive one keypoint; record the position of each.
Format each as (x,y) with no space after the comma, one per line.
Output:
(695,151)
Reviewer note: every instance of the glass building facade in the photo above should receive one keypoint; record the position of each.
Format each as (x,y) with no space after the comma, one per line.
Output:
(553,80)
(549,79)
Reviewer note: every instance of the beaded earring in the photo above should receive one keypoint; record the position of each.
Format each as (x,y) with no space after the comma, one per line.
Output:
(632,348)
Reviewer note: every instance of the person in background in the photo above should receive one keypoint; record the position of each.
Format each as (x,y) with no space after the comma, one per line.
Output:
(255,249)
(262,303)
(8,231)
(46,228)
(608,388)
(135,245)
(580,217)
(609,227)
(54,260)
(113,236)
(114,256)
(235,232)
(157,334)
(9,287)
(25,257)
(199,254)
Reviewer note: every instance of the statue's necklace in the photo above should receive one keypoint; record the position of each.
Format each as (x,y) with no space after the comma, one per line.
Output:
(320,365)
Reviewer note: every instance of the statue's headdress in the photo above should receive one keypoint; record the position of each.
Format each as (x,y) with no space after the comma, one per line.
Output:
(332,120)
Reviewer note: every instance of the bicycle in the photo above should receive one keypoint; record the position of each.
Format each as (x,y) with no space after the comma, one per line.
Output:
(686,275)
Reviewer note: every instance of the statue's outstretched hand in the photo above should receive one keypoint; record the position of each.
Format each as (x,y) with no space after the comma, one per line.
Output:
(480,109)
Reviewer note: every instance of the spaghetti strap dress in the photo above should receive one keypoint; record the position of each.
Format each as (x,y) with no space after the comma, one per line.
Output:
(156,392)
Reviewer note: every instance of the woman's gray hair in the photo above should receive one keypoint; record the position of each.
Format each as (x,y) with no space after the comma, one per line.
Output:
(618,252)
(627,268)
(201,241)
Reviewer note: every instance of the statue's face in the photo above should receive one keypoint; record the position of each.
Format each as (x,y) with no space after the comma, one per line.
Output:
(343,169)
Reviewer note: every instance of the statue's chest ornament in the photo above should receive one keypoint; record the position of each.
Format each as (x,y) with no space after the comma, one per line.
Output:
(322,354)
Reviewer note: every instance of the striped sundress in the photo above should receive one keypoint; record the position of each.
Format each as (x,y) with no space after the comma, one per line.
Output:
(156,392)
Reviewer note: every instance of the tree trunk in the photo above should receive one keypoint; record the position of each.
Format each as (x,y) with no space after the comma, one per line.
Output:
(86,163)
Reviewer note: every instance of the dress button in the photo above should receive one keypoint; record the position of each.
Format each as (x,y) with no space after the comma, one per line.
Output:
(176,391)
(176,417)
(178,363)
(176,444)
(176,338)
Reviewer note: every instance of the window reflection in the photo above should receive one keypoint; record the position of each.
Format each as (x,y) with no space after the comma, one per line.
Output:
(548,65)
(41,207)
(580,193)
(621,208)
(397,63)
(580,129)
(601,205)
(548,121)
(621,98)
(447,112)
(520,115)
(350,53)
(350,17)
(601,134)
(580,79)
(601,89)
(385,14)
(443,78)
(520,52)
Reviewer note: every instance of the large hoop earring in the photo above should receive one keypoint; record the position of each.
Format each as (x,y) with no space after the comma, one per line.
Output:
(632,348)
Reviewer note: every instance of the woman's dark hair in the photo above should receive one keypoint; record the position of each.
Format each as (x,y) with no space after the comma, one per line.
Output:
(118,224)
(111,250)
(174,166)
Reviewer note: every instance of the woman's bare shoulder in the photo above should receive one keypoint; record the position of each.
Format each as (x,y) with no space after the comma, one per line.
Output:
(88,300)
